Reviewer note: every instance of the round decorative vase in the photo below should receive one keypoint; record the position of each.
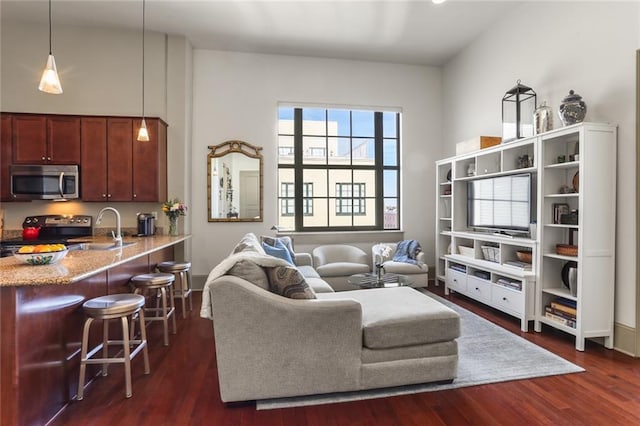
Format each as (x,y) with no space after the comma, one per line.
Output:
(173,225)
(543,119)
(572,109)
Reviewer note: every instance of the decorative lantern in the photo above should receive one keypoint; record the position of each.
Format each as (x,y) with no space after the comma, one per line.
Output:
(518,106)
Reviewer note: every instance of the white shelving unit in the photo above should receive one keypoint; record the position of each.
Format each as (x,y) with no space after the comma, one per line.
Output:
(582,157)
(587,186)
(467,271)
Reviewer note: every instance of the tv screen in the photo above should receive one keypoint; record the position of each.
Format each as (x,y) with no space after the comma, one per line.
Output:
(501,203)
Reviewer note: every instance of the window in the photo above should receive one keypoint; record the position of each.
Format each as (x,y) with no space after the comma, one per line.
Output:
(350,198)
(343,165)
(287,199)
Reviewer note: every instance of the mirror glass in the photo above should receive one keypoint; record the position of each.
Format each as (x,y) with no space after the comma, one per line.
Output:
(234,182)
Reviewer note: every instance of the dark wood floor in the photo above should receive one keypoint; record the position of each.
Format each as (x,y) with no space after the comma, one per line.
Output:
(183,390)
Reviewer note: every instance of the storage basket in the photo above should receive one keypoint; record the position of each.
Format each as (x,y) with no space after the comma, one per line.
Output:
(567,249)
(466,251)
(491,253)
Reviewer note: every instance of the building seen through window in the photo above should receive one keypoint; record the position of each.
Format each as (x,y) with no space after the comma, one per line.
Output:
(342,165)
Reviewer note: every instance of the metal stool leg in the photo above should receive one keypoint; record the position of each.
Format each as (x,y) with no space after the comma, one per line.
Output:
(127,355)
(105,345)
(183,290)
(190,289)
(83,357)
(165,320)
(143,338)
(172,304)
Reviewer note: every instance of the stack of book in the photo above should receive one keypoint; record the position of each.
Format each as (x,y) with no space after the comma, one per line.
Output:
(459,268)
(516,285)
(562,310)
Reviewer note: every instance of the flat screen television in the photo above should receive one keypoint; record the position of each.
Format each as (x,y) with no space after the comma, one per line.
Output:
(503,203)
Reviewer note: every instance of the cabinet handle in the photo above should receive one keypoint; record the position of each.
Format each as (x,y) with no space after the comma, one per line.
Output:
(134,195)
(504,298)
(104,195)
(43,158)
(455,280)
(108,195)
(48,158)
(477,289)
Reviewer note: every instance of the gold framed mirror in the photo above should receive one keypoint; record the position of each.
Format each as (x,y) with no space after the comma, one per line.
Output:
(234,182)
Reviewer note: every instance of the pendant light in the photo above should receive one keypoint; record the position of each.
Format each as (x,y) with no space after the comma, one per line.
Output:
(50,83)
(143,133)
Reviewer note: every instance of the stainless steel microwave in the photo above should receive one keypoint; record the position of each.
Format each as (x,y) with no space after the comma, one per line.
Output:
(45,182)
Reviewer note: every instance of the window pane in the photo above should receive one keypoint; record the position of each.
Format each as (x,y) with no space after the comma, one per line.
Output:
(285,150)
(367,181)
(339,122)
(318,178)
(390,152)
(362,123)
(314,122)
(319,217)
(368,219)
(364,152)
(339,151)
(389,123)
(338,176)
(339,219)
(391,217)
(314,150)
(390,179)
(285,120)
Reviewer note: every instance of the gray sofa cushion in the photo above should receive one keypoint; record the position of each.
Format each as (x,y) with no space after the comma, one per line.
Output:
(307,271)
(251,272)
(401,316)
(319,285)
(341,269)
(287,281)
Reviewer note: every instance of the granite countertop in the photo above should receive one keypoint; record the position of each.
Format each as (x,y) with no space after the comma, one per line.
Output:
(80,264)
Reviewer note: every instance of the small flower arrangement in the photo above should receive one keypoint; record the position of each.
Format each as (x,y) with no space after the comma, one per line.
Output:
(174,208)
(381,251)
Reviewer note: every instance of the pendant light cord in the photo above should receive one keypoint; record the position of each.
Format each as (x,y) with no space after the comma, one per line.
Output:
(143,26)
(50,50)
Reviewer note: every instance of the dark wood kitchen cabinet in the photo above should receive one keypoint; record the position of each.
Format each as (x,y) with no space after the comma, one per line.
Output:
(45,139)
(122,168)
(150,162)
(5,157)
(93,161)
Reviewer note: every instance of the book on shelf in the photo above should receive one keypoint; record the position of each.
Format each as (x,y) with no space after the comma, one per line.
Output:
(458,268)
(516,285)
(558,319)
(566,302)
(564,308)
(559,313)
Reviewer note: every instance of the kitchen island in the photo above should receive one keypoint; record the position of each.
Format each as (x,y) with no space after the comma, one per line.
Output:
(41,321)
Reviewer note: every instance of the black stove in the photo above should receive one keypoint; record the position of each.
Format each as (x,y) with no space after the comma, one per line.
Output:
(54,229)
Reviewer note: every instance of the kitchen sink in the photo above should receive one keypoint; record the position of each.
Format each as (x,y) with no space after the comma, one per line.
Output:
(99,246)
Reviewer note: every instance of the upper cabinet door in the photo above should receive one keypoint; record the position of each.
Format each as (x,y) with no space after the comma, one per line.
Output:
(29,139)
(150,162)
(41,139)
(119,140)
(63,136)
(93,167)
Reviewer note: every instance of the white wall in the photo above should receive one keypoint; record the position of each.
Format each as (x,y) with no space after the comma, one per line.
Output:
(101,74)
(236,96)
(588,47)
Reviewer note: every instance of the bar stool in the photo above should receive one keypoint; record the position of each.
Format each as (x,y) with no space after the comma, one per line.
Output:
(111,307)
(182,272)
(161,282)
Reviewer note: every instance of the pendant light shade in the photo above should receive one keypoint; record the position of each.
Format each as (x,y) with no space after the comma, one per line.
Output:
(143,134)
(50,82)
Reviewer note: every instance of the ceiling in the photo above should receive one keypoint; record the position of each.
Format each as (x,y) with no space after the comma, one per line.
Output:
(410,32)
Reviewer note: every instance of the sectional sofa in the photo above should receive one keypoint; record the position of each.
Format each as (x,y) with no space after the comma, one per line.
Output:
(316,340)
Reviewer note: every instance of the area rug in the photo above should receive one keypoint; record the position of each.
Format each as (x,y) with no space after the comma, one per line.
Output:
(487,354)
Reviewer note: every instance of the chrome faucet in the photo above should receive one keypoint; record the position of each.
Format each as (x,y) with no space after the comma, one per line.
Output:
(117,237)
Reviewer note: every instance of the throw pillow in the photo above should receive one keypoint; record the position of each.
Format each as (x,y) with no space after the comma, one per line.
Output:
(287,281)
(251,272)
(278,250)
(248,243)
(288,243)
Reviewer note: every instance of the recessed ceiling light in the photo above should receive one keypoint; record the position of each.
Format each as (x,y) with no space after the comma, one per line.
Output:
(438,1)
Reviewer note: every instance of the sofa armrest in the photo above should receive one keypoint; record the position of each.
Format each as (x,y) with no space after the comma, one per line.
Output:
(269,346)
(302,259)
(422,257)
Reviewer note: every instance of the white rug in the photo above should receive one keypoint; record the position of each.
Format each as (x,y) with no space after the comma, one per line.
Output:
(488,354)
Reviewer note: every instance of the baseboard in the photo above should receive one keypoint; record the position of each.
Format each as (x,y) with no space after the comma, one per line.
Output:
(197,282)
(625,339)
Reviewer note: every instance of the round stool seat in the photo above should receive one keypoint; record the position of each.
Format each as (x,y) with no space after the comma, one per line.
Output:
(174,266)
(113,304)
(157,279)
